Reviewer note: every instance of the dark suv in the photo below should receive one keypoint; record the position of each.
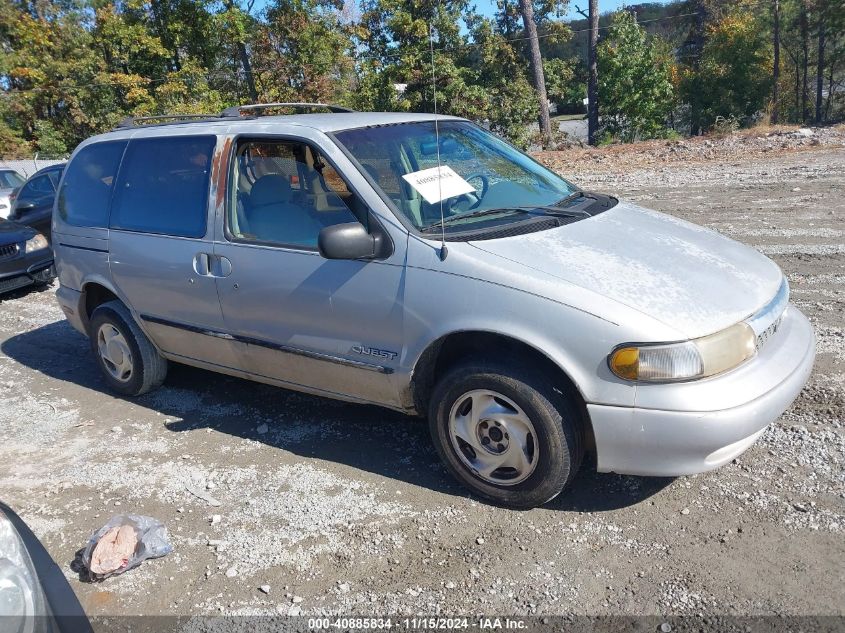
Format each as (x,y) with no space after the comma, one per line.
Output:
(33,205)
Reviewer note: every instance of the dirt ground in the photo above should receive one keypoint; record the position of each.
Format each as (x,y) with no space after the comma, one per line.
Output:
(341,509)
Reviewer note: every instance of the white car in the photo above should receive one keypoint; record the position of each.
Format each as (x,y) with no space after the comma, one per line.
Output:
(10,181)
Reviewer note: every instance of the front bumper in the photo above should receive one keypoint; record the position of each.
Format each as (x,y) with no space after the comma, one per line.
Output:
(662,442)
(22,271)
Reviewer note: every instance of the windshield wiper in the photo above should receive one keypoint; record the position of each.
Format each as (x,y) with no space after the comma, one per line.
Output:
(475,214)
(572,196)
(530,209)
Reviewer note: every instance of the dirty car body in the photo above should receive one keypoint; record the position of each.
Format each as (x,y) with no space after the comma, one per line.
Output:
(318,261)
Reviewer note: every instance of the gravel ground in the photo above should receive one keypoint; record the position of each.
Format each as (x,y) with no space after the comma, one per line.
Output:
(330,508)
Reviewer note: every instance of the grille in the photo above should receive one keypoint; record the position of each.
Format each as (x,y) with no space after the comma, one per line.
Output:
(7,251)
(766,321)
(764,336)
(14,283)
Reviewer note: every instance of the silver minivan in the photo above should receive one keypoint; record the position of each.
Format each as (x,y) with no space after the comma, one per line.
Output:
(420,263)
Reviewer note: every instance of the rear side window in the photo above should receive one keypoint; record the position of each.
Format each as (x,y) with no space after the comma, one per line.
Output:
(163,186)
(10,180)
(87,187)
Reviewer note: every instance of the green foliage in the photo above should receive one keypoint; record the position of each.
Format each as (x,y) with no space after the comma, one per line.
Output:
(49,143)
(478,74)
(303,52)
(14,146)
(734,79)
(73,68)
(564,84)
(636,93)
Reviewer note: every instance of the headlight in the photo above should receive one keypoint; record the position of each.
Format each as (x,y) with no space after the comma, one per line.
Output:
(36,243)
(21,598)
(698,358)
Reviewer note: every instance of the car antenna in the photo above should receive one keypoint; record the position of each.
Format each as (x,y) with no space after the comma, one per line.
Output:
(443,251)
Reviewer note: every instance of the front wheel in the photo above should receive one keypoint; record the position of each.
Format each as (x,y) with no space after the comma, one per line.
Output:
(506,433)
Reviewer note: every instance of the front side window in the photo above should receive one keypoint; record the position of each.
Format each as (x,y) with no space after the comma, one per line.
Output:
(284,193)
(86,189)
(491,174)
(163,186)
(37,188)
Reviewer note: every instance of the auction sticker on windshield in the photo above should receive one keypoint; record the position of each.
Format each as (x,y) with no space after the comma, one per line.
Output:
(438,183)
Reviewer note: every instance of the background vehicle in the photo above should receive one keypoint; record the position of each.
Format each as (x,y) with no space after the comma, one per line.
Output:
(25,257)
(529,319)
(33,204)
(10,181)
(34,593)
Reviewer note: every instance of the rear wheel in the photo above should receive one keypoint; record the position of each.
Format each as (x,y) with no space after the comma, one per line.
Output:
(506,433)
(130,364)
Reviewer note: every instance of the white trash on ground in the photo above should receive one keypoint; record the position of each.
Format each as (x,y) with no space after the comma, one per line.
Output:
(126,541)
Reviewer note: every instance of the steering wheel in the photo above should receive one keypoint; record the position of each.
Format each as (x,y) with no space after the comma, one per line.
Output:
(485,186)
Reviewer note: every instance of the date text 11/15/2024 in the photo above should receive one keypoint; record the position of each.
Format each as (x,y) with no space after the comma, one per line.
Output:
(417,623)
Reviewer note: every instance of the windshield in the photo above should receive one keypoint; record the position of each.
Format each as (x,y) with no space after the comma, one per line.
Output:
(479,173)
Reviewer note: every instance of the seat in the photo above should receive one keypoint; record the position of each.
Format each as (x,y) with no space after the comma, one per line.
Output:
(273,217)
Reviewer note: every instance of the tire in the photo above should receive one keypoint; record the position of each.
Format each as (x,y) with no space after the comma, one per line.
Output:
(547,463)
(124,341)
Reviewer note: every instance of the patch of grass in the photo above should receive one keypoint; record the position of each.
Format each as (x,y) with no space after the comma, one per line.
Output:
(569,117)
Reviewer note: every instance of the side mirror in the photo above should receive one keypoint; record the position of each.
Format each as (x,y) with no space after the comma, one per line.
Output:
(347,241)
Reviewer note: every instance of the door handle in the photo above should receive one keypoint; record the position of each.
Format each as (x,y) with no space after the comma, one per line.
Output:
(208,265)
(220,266)
(201,266)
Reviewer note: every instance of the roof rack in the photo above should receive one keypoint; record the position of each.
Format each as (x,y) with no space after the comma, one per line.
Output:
(229,113)
(235,111)
(131,121)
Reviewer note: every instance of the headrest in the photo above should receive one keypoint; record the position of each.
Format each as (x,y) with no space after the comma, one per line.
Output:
(270,189)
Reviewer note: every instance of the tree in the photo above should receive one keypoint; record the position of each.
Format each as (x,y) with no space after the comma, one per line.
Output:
(237,21)
(49,143)
(735,73)
(527,10)
(303,52)
(635,81)
(395,72)
(592,74)
(803,21)
(776,63)
(834,58)
(698,39)
(505,97)
(479,75)
(562,83)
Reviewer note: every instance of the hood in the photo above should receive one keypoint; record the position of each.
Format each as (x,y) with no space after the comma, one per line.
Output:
(683,275)
(12,232)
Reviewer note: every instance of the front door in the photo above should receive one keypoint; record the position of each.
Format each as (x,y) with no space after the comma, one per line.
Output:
(162,250)
(325,325)
(34,204)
